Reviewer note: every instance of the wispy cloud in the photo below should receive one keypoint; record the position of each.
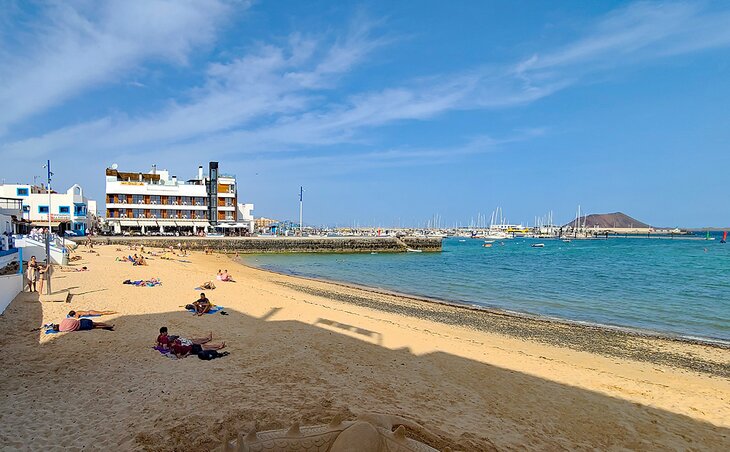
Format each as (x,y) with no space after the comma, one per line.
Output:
(76,46)
(639,33)
(282,97)
(345,161)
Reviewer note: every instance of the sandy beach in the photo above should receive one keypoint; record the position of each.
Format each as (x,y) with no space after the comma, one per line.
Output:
(303,350)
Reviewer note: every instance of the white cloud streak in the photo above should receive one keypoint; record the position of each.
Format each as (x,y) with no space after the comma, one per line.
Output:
(279,98)
(79,45)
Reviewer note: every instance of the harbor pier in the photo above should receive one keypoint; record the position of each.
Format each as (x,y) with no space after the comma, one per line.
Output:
(257,245)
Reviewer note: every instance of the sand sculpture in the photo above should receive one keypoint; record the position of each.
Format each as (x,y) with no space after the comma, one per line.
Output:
(368,433)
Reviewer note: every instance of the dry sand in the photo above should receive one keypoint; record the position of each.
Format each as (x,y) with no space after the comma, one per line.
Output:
(305,350)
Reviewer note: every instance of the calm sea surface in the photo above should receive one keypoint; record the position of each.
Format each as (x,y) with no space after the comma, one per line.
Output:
(670,286)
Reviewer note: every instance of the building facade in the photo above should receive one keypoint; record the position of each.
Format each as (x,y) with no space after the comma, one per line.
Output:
(70,211)
(156,201)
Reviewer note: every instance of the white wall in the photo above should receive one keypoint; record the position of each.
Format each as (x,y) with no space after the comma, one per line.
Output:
(34,200)
(10,287)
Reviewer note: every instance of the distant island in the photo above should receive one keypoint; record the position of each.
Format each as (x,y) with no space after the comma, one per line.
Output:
(616,220)
(620,222)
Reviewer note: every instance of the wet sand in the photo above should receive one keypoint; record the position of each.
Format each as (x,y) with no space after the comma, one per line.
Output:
(304,350)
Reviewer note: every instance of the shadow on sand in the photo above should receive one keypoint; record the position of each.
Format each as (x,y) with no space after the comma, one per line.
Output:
(99,389)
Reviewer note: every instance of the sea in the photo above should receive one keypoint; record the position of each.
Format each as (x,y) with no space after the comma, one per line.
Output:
(671,286)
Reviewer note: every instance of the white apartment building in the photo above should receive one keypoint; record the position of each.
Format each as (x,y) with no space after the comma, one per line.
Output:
(70,211)
(158,201)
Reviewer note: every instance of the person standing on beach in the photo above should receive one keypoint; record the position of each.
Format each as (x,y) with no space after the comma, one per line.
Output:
(33,272)
(44,273)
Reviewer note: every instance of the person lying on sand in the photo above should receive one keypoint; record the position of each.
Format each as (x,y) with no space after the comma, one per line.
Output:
(79,314)
(72,324)
(182,348)
(165,340)
(202,305)
(73,269)
(208,285)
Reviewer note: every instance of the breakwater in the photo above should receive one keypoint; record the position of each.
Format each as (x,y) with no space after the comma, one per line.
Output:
(262,245)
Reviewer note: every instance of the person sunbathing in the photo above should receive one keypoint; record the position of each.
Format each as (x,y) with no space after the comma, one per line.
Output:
(182,348)
(208,285)
(165,340)
(202,305)
(72,269)
(79,314)
(73,324)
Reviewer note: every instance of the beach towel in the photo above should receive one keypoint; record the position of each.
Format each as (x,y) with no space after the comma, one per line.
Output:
(49,329)
(213,310)
(165,353)
(86,316)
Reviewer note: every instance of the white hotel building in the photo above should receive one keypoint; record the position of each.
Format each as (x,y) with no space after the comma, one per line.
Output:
(70,210)
(157,201)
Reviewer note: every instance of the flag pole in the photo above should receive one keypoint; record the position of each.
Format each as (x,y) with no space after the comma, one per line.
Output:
(48,236)
(301,199)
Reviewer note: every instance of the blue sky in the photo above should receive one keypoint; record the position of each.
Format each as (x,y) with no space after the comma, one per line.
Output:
(386,112)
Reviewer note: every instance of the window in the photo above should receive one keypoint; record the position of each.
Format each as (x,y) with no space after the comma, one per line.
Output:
(26,209)
(42,209)
(64,210)
(21,192)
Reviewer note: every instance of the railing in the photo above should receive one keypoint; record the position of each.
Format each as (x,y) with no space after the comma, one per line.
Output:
(11,203)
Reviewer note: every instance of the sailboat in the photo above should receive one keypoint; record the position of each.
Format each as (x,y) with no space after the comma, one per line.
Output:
(707,237)
(724,237)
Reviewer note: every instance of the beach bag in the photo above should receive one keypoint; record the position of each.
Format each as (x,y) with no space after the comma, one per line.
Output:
(189,306)
(207,355)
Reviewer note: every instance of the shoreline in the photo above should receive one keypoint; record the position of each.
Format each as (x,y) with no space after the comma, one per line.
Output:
(492,310)
(306,350)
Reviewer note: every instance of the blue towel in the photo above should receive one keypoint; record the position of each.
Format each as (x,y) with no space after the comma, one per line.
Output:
(50,331)
(212,311)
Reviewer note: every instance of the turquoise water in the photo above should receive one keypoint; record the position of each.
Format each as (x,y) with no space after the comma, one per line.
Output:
(670,286)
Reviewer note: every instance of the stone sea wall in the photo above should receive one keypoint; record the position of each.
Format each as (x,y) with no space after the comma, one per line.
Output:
(255,245)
